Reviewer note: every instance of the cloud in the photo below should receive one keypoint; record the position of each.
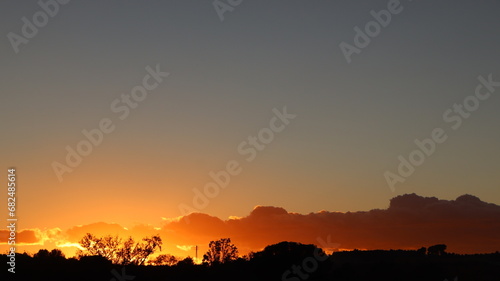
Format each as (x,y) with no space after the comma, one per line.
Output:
(66,245)
(98,229)
(466,225)
(33,236)
(184,247)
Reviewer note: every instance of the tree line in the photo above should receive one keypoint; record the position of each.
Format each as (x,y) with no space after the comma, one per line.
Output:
(130,252)
(113,258)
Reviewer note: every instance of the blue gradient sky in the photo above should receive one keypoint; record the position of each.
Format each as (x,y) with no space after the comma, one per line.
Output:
(353,120)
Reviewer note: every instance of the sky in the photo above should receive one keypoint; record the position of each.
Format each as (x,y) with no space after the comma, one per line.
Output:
(262,91)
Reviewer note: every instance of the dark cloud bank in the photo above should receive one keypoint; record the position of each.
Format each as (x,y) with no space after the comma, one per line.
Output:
(466,225)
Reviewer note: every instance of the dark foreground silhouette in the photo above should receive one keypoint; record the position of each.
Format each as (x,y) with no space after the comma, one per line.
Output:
(286,261)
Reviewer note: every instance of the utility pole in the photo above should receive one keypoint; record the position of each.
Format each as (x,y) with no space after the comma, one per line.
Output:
(196,253)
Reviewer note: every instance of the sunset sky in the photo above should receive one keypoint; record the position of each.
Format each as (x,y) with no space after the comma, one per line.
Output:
(231,80)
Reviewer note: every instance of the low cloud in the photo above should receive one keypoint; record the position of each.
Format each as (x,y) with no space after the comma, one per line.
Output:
(184,247)
(466,225)
(33,236)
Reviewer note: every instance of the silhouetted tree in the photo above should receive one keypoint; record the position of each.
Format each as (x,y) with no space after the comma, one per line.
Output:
(422,251)
(118,252)
(164,260)
(288,250)
(138,253)
(282,261)
(186,262)
(41,254)
(220,251)
(56,253)
(94,261)
(106,246)
(438,250)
